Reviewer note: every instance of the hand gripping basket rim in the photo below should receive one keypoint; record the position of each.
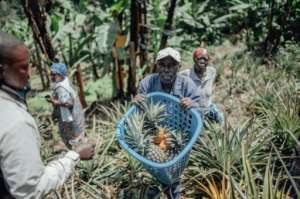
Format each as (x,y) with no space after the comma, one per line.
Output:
(142,159)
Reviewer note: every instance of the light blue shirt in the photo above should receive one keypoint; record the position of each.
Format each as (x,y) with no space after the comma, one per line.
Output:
(182,87)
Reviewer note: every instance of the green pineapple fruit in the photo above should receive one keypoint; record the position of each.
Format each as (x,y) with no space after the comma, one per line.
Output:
(155,154)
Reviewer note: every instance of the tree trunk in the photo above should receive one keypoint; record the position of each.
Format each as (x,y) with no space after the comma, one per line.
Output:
(285,18)
(119,43)
(95,72)
(168,25)
(167,29)
(143,33)
(80,85)
(134,22)
(132,90)
(117,75)
(134,44)
(36,62)
(42,70)
(273,37)
(37,20)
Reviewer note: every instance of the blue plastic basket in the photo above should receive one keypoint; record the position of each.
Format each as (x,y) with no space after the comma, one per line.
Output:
(189,120)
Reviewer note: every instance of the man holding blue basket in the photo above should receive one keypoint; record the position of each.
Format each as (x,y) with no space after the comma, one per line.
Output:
(167,80)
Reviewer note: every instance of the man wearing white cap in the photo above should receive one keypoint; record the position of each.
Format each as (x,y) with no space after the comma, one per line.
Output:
(168,80)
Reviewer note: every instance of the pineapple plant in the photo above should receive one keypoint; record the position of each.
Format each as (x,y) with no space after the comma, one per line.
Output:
(154,114)
(177,141)
(135,135)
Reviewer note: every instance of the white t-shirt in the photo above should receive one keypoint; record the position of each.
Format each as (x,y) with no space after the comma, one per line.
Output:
(204,85)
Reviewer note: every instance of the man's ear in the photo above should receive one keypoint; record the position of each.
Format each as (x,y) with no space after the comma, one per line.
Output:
(2,68)
(1,71)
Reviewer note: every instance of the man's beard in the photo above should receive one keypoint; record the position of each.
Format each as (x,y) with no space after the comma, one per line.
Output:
(167,78)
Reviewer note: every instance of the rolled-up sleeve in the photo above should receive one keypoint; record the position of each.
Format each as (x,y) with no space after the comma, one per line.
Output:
(190,90)
(22,167)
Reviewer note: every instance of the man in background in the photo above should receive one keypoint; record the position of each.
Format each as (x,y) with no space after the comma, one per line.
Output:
(67,107)
(204,76)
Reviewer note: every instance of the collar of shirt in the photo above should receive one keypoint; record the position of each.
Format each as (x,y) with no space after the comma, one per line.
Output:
(6,96)
(208,75)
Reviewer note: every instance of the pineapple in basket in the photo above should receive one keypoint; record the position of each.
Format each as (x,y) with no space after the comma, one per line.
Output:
(171,142)
(177,139)
(168,142)
(156,154)
(136,136)
(141,141)
(146,135)
(158,147)
(154,114)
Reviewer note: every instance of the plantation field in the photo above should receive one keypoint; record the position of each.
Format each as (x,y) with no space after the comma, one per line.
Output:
(252,156)
(108,46)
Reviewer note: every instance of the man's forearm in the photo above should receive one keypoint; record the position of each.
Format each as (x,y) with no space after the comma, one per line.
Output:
(56,173)
(64,104)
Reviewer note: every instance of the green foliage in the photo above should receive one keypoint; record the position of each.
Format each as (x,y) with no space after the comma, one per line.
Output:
(38,103)
(222,150)
(277,106)
(101,89)
(259,95)
(288,59)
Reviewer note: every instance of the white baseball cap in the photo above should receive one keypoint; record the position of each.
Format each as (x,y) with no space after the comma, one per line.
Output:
(168,52)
